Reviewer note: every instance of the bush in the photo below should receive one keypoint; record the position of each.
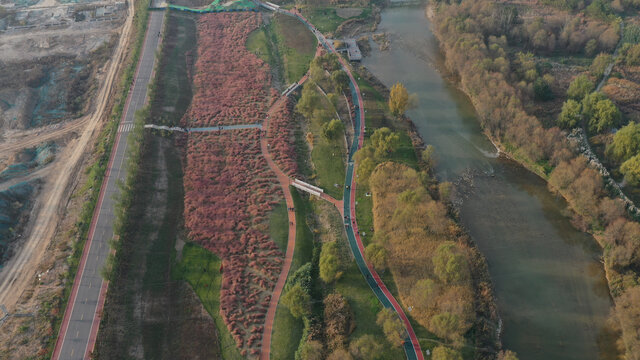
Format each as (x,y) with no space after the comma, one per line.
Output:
(366,347)
(449,265)
(580,87)
(446,325)
(599,64)
(298,301)
(626,143)
(392,327)
(444,353)
(631,170)
(338,319)
(332,129)
(398,99)
(507,355)
(570,115)
(542,90)
(377,256)
(330,264)
(632,57)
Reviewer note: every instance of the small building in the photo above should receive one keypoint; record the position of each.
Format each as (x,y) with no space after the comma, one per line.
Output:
(353,51)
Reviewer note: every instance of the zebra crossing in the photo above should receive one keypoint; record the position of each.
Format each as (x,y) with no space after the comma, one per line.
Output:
(126,127)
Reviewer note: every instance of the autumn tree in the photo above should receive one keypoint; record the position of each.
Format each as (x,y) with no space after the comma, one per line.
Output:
(309,138)
(428,156)
(600,112)
(338,319)
(309,100)
(449,265)
(445,353)
(340,354)
(392,327)
(366,347)
(628,313)
(312,350)
(507,355)
(626,143)
(425,293)
(332,129)
(580,87)
(631,170)
(599,64)
(605,116)
(632,56)
(398,99)
(446,325)
(384,142)
(298,301)
(376,255)
(365,168)
(330,265)
(570,115)
(340,80)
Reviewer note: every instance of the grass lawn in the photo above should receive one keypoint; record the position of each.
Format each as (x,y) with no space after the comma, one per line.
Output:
(328,156)
(279,225)
(287,329)
(326,19)
(296,44)
(201,269)
(259,44)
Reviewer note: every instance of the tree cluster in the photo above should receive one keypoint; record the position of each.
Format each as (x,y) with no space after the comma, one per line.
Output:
(625,150)
(465,30)
(436,278)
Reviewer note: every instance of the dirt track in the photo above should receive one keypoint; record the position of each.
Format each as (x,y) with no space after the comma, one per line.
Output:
(19,271)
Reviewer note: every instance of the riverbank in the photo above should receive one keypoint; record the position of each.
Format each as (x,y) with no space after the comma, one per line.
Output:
(487,325)
(594,208)
(519,226)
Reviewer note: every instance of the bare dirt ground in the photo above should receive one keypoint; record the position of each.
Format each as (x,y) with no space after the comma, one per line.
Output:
(346,13)
(31,281)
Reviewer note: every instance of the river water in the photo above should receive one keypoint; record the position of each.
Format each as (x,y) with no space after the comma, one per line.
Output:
(550,287)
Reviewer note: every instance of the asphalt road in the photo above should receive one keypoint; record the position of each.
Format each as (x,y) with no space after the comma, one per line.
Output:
(81,321)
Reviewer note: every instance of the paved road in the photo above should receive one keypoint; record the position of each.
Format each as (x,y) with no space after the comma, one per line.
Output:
(82,317)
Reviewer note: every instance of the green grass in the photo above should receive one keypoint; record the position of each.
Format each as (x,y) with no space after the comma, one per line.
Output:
(328,157)
(259,44)
(279,225)
(296,44)
(201,269)
(326,19)
(287,329)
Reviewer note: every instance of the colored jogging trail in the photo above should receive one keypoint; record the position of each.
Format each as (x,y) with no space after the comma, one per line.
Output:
(411,344)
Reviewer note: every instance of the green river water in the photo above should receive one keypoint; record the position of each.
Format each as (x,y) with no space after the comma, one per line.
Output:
(550,287)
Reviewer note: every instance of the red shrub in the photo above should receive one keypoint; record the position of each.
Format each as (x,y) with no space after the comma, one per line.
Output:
(229,188)
(232,84)
(281,136)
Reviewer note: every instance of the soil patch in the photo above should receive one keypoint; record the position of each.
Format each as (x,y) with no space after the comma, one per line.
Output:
(346,13)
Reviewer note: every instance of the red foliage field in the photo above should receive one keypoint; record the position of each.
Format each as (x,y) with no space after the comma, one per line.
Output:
(281,137)
(229,188)
(231,83)
(229,192)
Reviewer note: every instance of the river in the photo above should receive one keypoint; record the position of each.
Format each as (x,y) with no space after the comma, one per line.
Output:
(550,287)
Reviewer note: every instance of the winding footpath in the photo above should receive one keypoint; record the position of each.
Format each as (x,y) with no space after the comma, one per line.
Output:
(346,206)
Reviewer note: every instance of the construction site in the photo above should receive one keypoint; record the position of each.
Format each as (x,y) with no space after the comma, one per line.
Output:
(59,66)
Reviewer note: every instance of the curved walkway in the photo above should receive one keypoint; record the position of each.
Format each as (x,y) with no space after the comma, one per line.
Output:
(411,344)
(284,181)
